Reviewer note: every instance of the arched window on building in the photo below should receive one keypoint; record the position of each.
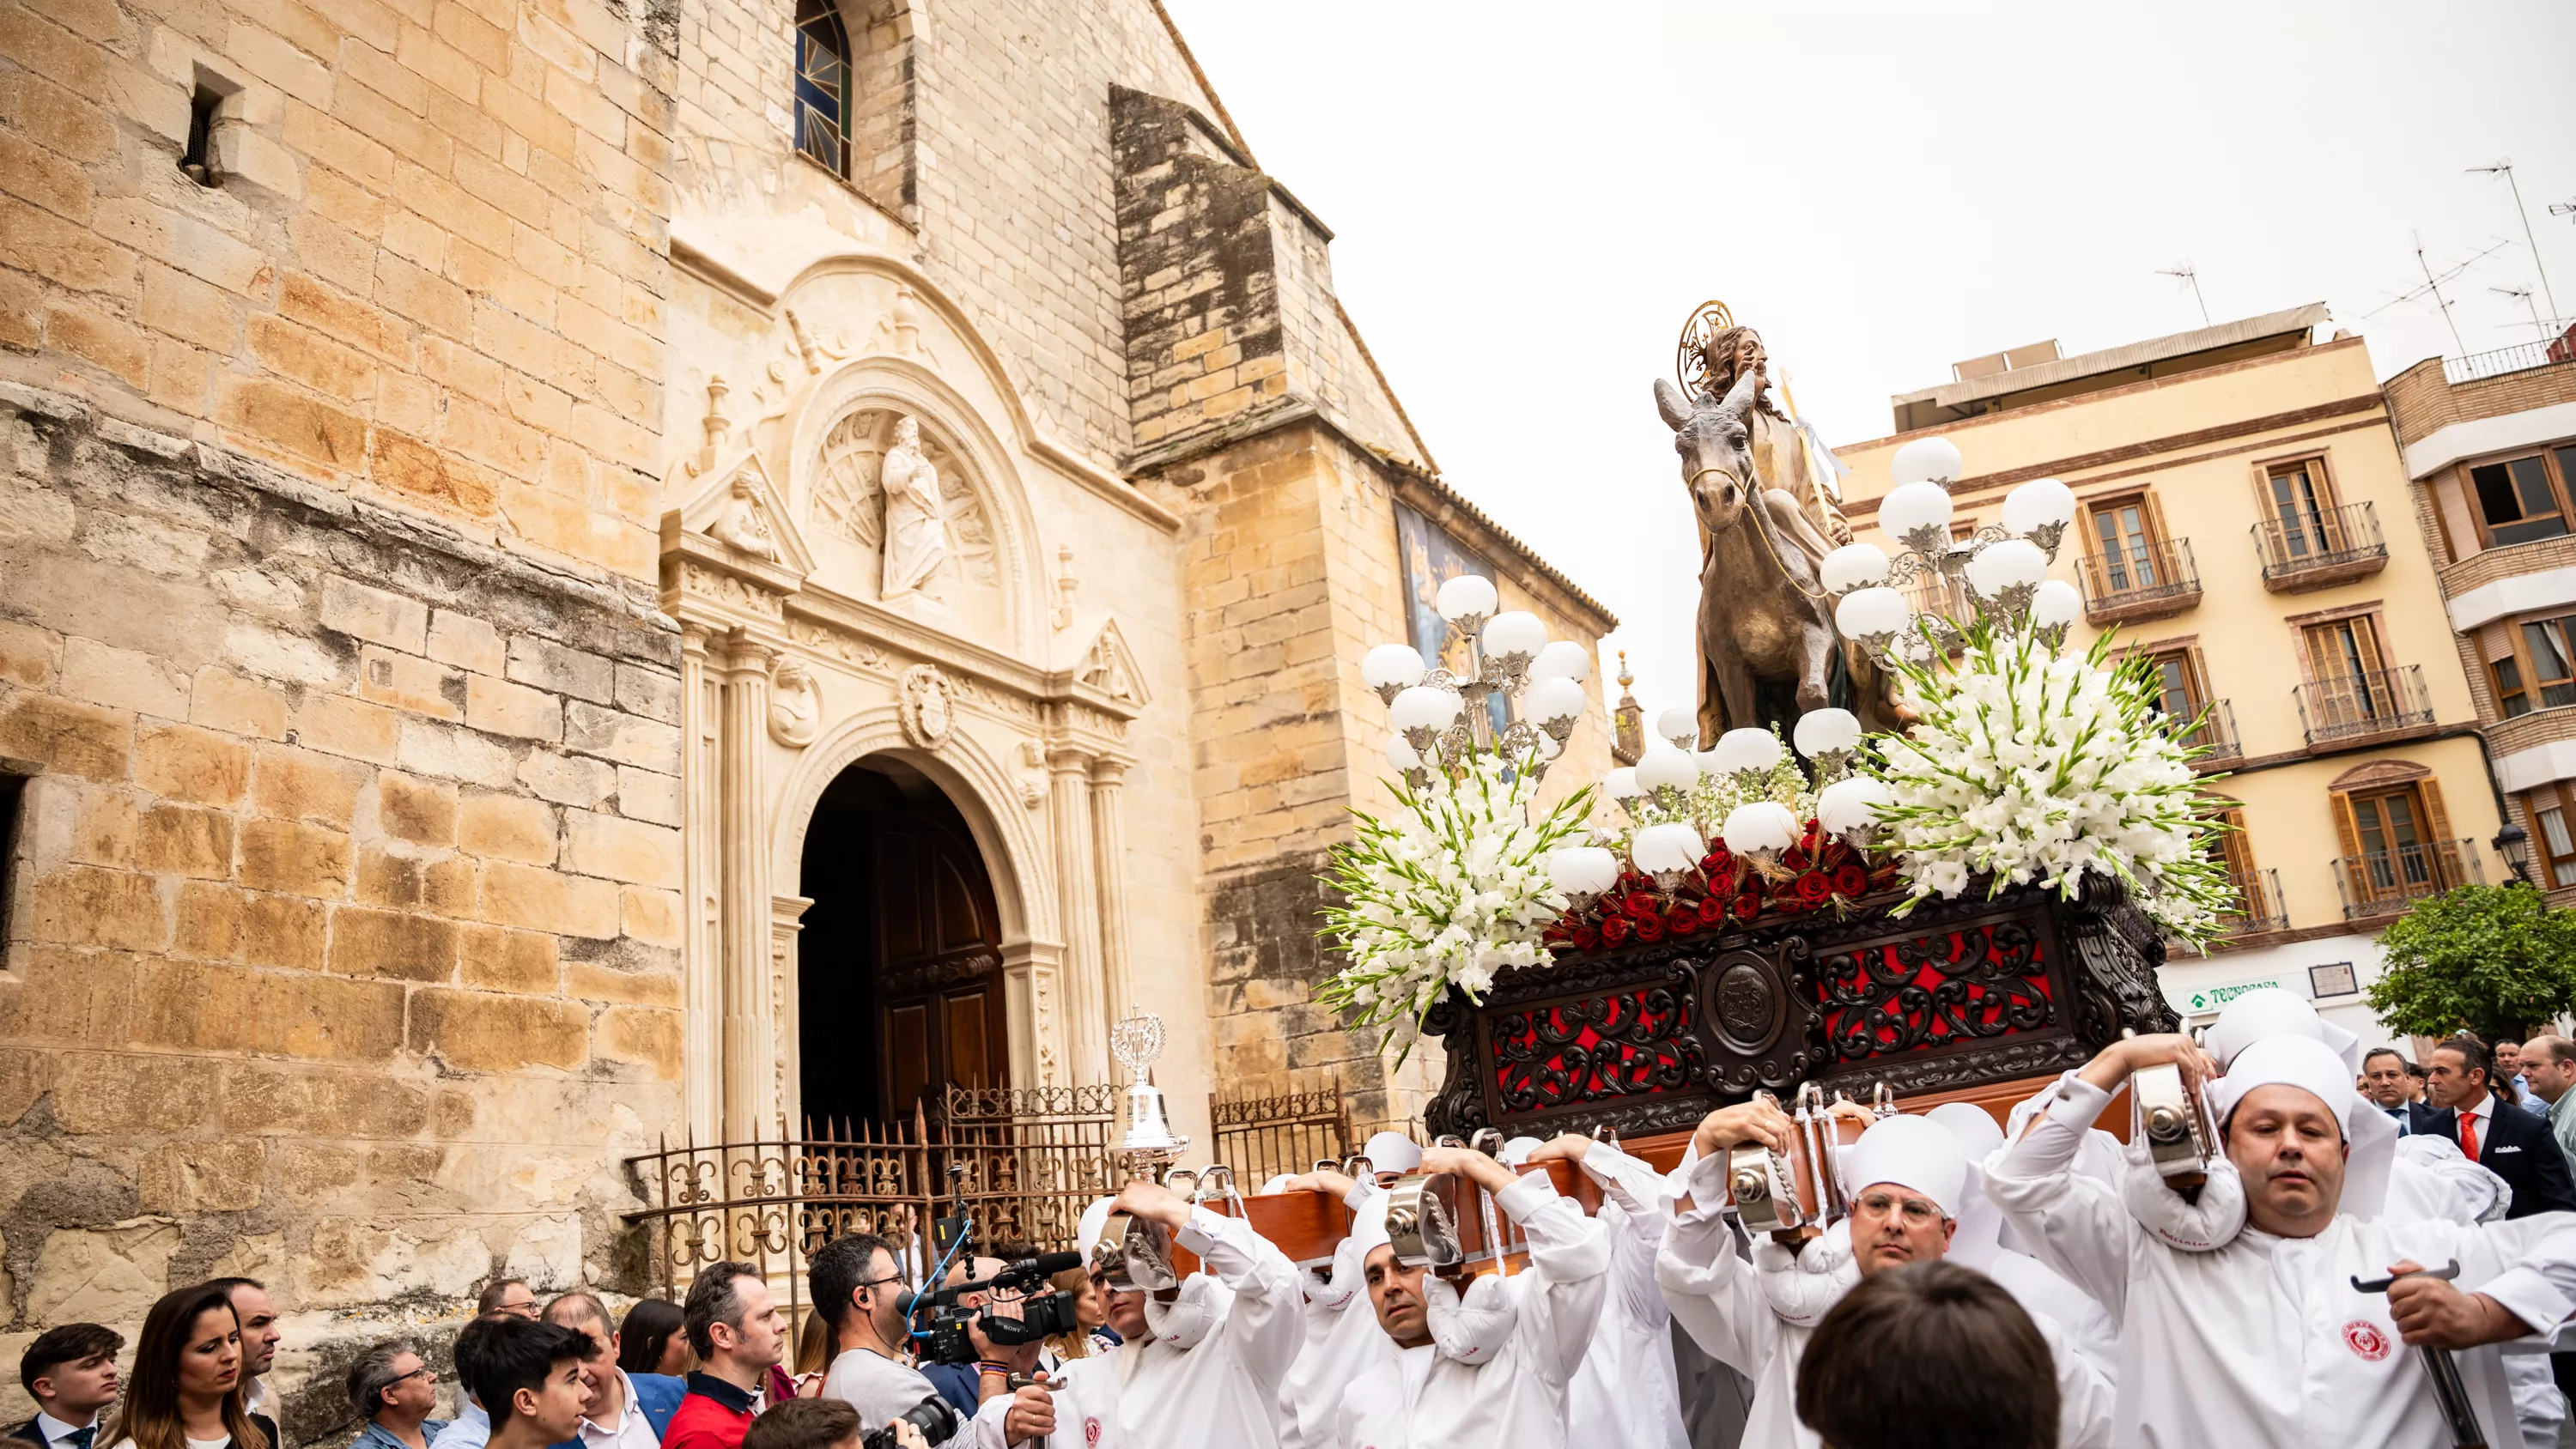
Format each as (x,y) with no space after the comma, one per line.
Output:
(823,84)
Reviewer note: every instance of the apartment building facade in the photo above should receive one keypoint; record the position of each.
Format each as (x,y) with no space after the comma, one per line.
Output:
(2244,520)
(2489,447)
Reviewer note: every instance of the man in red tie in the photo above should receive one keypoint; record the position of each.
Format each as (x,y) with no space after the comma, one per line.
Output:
(2514,1145)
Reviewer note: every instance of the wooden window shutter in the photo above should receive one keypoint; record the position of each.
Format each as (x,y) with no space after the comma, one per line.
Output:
(2345,830)
(2365,632)
(2436,819)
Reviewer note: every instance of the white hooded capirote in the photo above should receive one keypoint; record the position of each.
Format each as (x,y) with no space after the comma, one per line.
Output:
(2270,1011)
(2263,1339)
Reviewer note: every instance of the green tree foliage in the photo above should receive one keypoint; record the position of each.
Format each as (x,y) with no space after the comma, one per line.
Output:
(2491,958)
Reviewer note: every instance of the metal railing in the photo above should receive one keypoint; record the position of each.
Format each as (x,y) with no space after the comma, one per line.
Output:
(2520,357)
(2384,882)
(2258,904)
(2357,706)
(1261,1137)
(2145,573)
(2216,731)
(2326,539)
(1021,1163)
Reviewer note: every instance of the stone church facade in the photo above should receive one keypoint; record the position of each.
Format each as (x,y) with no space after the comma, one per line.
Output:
(602,572)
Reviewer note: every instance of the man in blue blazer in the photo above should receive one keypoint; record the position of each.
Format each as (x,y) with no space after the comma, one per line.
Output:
(624,1411)
(2510,1143)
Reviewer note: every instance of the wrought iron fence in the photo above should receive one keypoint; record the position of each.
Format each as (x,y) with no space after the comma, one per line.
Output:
(2147,574)
(2353,706)
(2384,882)
(1261,1137)
(1020,1163)
(2327,538)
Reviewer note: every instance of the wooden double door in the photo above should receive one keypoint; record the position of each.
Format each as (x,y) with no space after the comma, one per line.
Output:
(899,967)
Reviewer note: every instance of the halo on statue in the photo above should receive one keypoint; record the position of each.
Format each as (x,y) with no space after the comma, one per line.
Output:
(1690,355)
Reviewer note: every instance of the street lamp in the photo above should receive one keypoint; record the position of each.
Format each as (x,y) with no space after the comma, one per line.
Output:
(2514,844)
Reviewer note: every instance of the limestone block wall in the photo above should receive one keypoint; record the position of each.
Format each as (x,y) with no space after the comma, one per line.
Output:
(429,272)
(1290,571)
(341,915)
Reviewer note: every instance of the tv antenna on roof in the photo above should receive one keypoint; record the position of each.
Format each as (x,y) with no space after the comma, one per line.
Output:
(2191,279)
(2433,286)
(2506,166)
(2539,324)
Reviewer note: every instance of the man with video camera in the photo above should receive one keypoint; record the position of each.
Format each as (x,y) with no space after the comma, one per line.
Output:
(858,1288)
(991,1321)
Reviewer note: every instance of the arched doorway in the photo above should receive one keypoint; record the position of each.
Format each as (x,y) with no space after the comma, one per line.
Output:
(899,965)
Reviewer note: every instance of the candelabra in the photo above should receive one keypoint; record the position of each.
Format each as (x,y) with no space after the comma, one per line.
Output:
(2004,567)
(1441,714)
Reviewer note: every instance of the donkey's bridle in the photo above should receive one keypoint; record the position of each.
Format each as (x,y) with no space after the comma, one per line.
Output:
(1760,529)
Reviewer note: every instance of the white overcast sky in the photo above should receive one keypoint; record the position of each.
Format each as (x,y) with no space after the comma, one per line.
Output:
(1528,200)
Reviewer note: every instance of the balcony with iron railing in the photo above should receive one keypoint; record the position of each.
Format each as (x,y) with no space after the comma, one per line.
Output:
(2258,905)
(2145,581)
(2386,882)
(2364,706)
(2216,732)
(2318,550)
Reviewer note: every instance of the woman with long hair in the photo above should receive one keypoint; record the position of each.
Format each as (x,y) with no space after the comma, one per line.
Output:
(650,1341)
(186,1388)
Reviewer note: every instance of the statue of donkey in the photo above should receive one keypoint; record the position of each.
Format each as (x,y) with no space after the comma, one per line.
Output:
(1767,647)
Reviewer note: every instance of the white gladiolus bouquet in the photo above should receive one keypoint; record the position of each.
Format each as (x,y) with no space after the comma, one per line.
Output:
(2029,765)
(1453,888)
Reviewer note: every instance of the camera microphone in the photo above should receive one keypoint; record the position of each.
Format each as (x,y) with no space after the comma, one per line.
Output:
(1026,1273)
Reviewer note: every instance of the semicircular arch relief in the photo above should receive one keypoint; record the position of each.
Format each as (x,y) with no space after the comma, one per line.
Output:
(922,542)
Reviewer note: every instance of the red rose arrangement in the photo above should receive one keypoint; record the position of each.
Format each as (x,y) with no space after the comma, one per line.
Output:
(1726,892)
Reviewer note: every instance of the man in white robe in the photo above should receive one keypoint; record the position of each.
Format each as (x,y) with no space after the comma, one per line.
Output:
(1625,1391)
(1342,1339)
(1202,1363)
(2042,1291)
(1498,1381)
(2263,1339)
(1757,1318)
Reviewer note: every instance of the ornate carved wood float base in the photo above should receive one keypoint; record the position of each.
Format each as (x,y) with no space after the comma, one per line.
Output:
(1957,994)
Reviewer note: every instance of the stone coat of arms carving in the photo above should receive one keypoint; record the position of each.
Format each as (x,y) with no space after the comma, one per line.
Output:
(928,708)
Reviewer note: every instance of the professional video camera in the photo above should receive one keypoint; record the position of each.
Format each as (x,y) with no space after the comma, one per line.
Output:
(1043,1316)
(932,1416)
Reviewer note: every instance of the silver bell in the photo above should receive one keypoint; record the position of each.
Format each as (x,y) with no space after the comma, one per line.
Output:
(1149,1128)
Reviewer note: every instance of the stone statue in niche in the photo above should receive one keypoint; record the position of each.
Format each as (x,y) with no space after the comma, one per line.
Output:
(795,706)
(916,526)
(855,498)
(1106,672)
(741,525)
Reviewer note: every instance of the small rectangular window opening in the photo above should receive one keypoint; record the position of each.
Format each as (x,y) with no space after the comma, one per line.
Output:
(13,794)
(198,161)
